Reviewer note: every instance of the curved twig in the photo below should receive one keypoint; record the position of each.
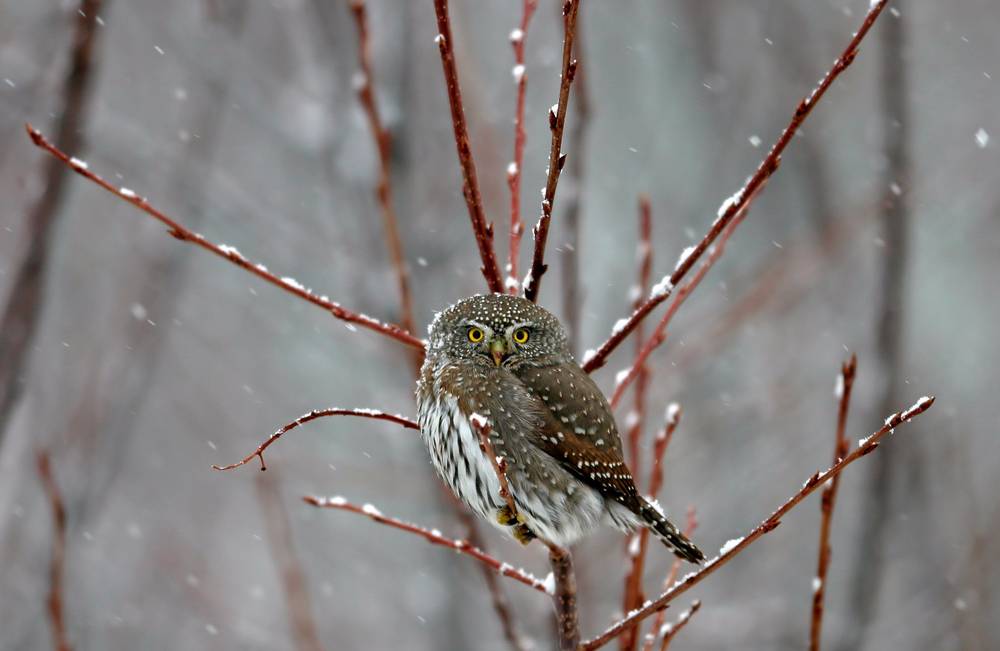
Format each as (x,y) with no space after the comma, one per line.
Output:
(313,415)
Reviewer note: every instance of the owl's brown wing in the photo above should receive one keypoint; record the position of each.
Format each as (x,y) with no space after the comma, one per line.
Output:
(578,429)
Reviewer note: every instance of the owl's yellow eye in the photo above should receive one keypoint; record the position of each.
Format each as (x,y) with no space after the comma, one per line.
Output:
(521,335)
(475,335)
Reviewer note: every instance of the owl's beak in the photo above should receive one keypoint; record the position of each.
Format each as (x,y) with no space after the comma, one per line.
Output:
(498,349)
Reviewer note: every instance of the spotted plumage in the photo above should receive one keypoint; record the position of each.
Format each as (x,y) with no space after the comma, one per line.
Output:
(507,359)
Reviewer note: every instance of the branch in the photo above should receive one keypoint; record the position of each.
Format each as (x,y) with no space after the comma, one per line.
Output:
(499,464)
(675,568)
(557,123)
(669,631)
(289,566)
(740,201)
(644,255)
(432,536)
(567,618)
(19,315)
(58,561)
(640,542)
(564,581)
(734,547)
(845,381)
(383,144)
(514,169)
(313,415)
(481,228)
(645,349)
(225,251)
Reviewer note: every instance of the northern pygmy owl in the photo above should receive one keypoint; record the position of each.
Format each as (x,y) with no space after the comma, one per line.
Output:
(508,360)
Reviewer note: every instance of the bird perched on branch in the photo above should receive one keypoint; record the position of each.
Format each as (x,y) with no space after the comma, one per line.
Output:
(505,360)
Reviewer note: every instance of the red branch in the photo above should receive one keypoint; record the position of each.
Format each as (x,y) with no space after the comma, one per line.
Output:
(432,536)
(557,123)
(734,547)
(646,348)
(225,251)
(56,565)
(483,430)
(313,415)
(633,579)
(740,201)
(644,255)
(514,169)
(845,381)
(675,568)
(383,144)
(289,566)
(481,228)
(682,620)
(632,595)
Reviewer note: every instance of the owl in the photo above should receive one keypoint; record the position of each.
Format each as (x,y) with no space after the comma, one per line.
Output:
(507,360)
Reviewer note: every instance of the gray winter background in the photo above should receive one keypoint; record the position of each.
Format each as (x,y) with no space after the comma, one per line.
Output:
(150,360)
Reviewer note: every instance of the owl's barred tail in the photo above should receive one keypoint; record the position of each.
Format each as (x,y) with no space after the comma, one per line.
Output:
(667,533)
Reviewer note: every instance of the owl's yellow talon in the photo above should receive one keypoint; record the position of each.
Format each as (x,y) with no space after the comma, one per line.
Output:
(507,517)
(523,534)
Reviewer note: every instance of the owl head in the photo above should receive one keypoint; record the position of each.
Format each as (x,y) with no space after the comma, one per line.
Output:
(498,330)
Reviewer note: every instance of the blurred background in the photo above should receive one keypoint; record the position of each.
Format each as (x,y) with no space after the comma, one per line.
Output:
(137,362)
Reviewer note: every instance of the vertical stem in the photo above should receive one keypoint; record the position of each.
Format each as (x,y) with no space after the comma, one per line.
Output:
(894,233)
(567,619)
(20,315)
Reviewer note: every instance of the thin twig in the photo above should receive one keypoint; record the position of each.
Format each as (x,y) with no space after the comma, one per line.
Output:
(675,568)
(514,169)
(225,251)
(576,138)
(564,581)
(20,314)
(740,201)
(646,348)
(734,547)
(497,597)
(557,123)
(481,227)
(644,256)
(483,430)
(432,536)
(682,620)
(383,144)
(640,543)
(289,565)
(845,381)
(54,601)
(313,415)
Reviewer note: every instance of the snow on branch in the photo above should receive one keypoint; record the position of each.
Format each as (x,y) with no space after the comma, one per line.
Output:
(432,536)
(742,199)
(734,547)
(230,253)
(557,124)
(313,415)
(514,169)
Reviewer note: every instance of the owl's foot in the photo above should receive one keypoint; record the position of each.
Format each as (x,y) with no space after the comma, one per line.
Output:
(506,516)
(523,534)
